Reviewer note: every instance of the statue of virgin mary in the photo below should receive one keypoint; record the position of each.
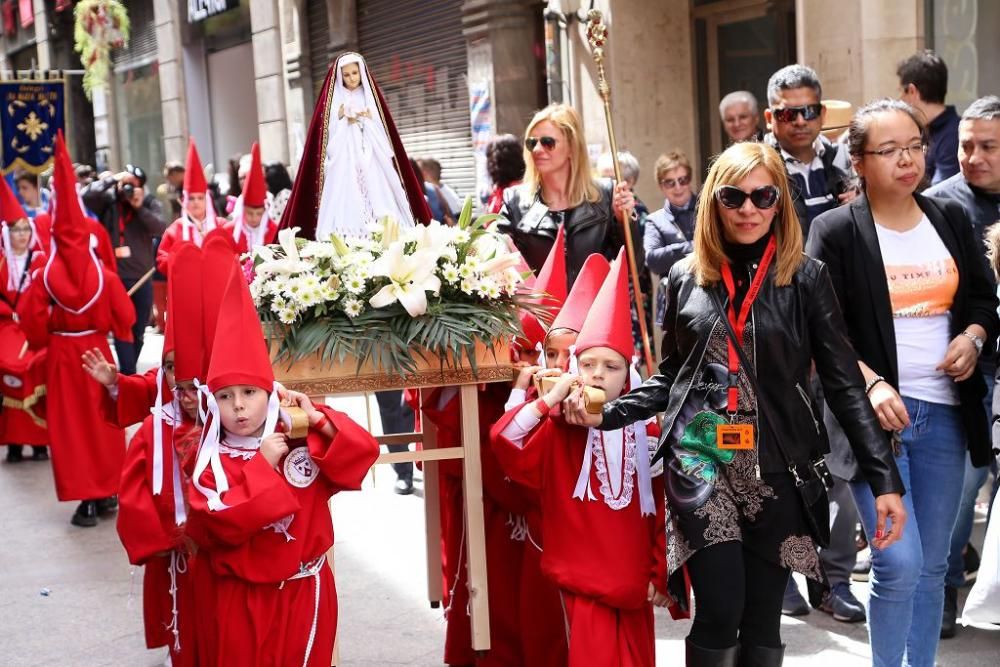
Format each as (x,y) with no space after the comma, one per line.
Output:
(354,170)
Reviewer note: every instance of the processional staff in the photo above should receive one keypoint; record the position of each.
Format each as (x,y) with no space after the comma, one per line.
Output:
(597,35)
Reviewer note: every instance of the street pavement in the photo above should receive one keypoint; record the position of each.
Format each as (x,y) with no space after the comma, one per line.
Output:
(69,597)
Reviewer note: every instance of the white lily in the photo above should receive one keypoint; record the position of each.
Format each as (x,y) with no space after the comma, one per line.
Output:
(389,229)
(411,276)
(291,263)
(434,237)
(501,263)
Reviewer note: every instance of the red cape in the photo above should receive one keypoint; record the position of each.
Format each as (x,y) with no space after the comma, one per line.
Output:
(303,203)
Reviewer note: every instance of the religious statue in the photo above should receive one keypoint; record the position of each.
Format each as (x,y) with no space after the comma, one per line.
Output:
(354,170)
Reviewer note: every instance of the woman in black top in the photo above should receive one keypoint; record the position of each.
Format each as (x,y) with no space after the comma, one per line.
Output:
(558,190)
(734,458)
(920,307)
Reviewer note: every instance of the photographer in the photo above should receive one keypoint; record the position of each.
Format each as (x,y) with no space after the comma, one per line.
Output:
(132,218)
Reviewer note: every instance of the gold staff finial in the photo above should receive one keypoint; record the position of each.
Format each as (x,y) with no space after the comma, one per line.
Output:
(597,36)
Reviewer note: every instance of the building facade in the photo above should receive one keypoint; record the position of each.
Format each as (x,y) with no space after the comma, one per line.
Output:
(454,72)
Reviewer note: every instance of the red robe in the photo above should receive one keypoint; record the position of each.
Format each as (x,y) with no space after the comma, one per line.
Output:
(505,506)
(22,371)
(87,453)
(136,396)
(149,531)
(105,250)
(270,235)
(602,559)
(270,530)
(171,237)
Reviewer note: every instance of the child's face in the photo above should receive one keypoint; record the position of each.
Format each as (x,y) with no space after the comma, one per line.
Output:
(252,215)
(557,346)
(605,369)
(187,396)
(168,368)
(243,409)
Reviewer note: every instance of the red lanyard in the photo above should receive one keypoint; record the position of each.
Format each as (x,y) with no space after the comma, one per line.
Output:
(740,323)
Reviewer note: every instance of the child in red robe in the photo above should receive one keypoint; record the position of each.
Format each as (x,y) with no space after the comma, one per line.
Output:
(602,519)
(72,308)
(250,225)
(22,419)
(197,212)
(153,504)
(260,504)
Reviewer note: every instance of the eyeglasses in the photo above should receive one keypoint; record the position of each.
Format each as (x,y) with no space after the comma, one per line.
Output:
(763,197)
(548,143)
(20,230)
(896,152)
(788,114)
(185,391)
(683,181)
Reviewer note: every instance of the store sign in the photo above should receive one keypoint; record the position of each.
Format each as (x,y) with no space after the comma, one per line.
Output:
(199,10)
(31,115)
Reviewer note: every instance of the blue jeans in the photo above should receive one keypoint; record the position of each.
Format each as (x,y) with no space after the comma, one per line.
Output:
(907,579)
(128,352)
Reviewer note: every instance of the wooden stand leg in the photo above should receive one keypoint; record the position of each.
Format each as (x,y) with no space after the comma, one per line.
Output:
(474,523)
(432,512)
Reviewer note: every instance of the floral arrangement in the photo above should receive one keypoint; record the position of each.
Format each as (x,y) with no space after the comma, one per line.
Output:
(100,26)
(400,292)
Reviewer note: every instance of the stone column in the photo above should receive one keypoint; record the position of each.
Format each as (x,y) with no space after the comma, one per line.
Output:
(173,94)
(42,35)
(499,35)
(269,83)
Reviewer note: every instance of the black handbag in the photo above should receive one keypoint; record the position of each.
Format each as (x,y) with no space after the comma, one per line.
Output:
(813,480)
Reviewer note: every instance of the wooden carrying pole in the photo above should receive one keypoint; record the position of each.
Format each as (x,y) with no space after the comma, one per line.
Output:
(597,35)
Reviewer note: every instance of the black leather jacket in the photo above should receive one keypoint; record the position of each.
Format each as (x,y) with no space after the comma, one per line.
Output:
(793,326)
(590,227)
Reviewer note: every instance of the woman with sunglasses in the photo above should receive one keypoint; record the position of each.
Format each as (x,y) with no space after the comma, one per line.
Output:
(669,233)
(740,430)
(920,309)
(558,190)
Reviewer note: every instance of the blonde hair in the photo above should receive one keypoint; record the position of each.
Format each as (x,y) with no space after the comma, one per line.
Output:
(675,159)
(581,186)
(731,167)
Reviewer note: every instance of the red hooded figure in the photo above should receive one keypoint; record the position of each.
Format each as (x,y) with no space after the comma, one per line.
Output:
(354,169)
(74,304)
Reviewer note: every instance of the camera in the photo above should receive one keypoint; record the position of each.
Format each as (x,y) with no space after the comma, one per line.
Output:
(125,192)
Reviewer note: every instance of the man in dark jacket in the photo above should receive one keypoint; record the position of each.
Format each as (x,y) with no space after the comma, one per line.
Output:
(133,219)
(977,188)
(819,171)
(923,82)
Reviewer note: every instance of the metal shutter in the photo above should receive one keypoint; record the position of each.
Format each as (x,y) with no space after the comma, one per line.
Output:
(416,51)
(142,41)
(319,43)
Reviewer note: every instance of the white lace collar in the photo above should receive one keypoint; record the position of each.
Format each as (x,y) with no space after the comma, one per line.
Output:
(239,446)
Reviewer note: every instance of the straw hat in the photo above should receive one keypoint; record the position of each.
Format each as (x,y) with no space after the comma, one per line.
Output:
(838,118)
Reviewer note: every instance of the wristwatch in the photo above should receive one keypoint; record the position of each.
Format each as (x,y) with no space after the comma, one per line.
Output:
(976,340)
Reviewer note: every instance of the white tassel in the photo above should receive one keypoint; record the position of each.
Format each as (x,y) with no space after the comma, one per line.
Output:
(646,502)
(158,435)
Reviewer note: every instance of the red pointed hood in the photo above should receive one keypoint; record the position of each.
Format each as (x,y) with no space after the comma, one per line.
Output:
(255,189)
(184,312)
(73,275)
(578,303)
(239,352)
(194,175)
(218,262)
(551,280)
(10,208)
(609,323)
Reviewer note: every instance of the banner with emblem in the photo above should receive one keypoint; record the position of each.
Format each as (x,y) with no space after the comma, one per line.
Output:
(32,113)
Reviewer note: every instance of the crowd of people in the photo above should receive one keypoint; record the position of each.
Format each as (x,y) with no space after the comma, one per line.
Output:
(827,310)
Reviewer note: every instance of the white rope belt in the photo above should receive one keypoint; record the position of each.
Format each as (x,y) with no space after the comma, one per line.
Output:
(310,569)
(178,565)
(74,334)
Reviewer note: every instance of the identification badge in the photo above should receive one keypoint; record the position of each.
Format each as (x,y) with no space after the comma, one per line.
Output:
(123,252)
(734,436)
(299,469)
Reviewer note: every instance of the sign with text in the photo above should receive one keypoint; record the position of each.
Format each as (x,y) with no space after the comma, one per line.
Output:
(32,113)
(199,10)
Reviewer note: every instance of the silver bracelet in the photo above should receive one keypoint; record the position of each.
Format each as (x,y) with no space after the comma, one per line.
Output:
(871,383)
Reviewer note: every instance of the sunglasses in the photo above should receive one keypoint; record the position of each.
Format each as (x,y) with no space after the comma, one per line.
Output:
(548,143)
(763,197)
(788,114)
(672,182)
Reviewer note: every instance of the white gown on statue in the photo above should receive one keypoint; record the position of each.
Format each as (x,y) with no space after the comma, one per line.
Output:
(360,182)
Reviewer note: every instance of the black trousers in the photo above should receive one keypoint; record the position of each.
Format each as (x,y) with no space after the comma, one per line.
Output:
(397,417)
(128,353)
(738,597)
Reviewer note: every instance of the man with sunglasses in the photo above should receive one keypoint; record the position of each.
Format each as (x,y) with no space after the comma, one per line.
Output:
(818,170)
(132,218)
